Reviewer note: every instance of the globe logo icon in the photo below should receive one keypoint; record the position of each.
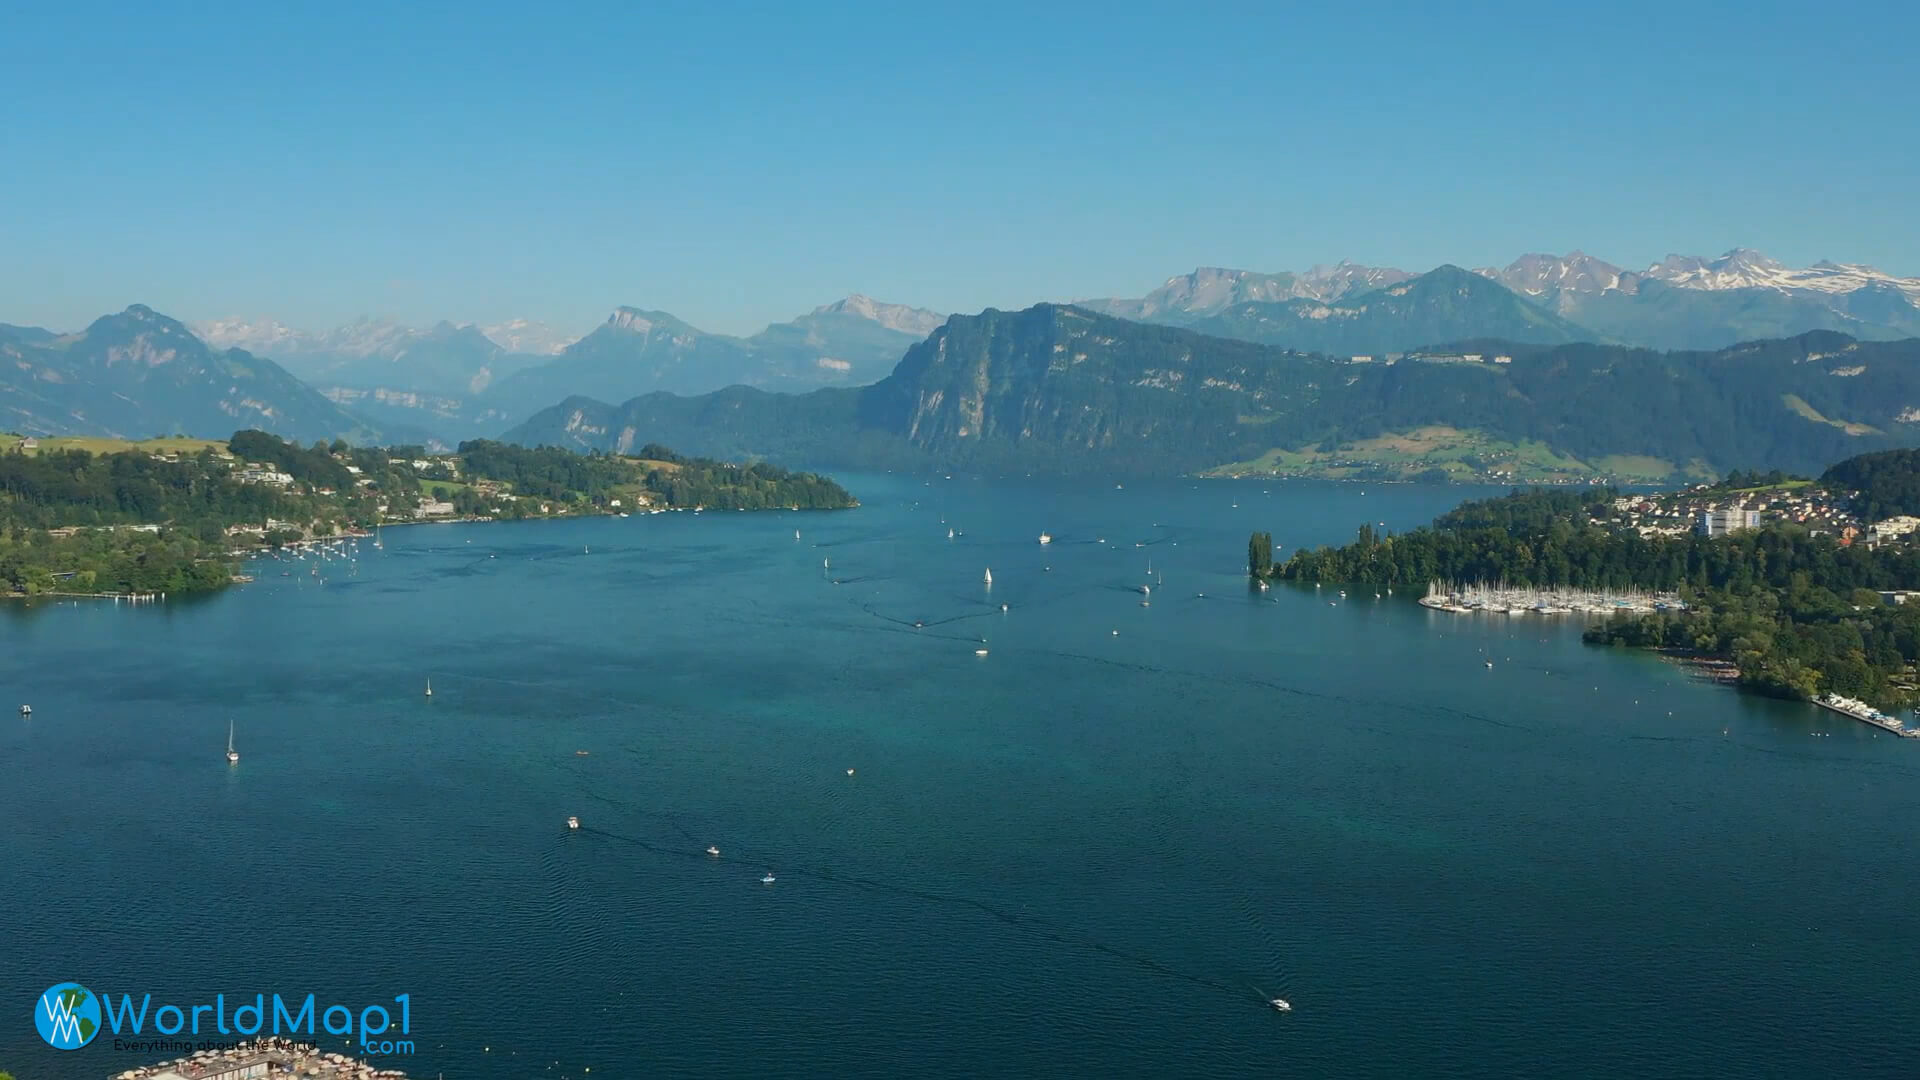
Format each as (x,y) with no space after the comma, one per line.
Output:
(67,1016)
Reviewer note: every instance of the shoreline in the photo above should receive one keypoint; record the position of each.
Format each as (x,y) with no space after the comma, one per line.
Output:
(264,549)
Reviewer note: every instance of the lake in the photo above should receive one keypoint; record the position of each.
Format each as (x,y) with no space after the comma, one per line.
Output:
(1091,851)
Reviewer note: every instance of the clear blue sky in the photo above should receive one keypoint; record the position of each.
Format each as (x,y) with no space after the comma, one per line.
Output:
(738,164)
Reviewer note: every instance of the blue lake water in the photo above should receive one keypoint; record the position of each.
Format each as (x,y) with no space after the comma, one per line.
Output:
(1085,853)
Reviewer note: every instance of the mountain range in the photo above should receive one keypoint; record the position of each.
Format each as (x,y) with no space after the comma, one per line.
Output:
(1212,369)
(138,374)
(460,382)
(1060,388)
(1681,302)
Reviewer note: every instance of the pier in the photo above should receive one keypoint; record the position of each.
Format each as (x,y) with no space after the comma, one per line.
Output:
(1866,714)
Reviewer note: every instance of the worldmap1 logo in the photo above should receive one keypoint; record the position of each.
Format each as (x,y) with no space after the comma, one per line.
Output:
(67,1017)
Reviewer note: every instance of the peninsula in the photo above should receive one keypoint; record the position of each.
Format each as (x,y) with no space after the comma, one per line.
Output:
(1809,588)
(170,516)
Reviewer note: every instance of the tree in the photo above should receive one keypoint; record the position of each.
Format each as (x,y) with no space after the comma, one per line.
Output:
(1260,554)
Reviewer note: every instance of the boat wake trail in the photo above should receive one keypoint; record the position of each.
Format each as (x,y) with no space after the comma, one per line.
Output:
(1034,926)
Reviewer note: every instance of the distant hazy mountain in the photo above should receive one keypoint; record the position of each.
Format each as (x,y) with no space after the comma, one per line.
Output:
(139,373)
(530,338)
(1060,388)
(1550,275)
(852,341)
(1744,268)
(444,360)
(1690,302)
(1437,308)
(1698,302)
(1211,289)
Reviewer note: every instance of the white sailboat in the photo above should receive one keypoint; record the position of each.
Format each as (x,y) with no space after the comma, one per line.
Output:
(233,756)
(429,687)
(989,576)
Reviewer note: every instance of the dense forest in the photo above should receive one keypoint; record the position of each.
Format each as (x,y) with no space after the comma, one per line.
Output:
(1799,613)
(1885,484)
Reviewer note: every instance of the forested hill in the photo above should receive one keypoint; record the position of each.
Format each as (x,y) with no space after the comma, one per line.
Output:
(1063,390)
(1885,484)
(1799,612)
(167,515)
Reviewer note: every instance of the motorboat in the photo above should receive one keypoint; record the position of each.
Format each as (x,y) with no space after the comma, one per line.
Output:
(768,880)
(1281,1005)
(979,652)
(711,850)
(1046,539)
(573,822)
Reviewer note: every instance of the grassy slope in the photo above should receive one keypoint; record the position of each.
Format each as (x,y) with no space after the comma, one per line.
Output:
(1410,452)
(95,445)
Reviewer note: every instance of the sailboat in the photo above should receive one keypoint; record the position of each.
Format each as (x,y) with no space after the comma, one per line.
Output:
(429,687)
(949,534)
(796,534)
(233,756)
(989,576)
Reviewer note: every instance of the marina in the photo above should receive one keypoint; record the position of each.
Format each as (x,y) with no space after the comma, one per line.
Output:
(1866,714)
(1502,599)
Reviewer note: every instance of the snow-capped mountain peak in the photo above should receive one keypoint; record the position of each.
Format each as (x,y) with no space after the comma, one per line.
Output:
(1744,268)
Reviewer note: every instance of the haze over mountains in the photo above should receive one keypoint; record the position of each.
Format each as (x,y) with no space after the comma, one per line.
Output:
(1063,389)
(138,374)
(833,386)
(1681,302)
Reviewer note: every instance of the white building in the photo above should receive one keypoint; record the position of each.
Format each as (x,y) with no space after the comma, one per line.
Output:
(1732,519)
(1892,527)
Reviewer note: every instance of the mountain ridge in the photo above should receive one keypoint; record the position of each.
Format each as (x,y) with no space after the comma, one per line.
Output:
(137,372)
(1060,388)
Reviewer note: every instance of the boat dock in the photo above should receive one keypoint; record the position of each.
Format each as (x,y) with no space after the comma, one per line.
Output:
(1501,599)
(1866,714)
